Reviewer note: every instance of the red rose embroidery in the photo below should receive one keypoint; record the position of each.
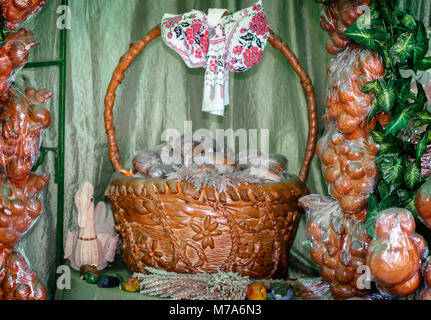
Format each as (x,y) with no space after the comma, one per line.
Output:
(259,24)
(172,22)
(256,7)
(198,54)
(205,42)
(243,30)
(213,66)
(237,50)
(193,31)
(170,35)
(252,56)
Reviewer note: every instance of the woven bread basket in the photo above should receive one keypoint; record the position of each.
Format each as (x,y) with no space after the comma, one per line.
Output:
(168,225)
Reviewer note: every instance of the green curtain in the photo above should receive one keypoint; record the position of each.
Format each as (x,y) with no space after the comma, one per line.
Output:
(160,92)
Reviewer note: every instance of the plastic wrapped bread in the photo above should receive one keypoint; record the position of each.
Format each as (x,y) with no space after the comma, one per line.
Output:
(20,207)
(312,288)
(396,252)
(13,56)
(339,244)
(347,74)
(426,271)
(22,120)
(18,281)
(336,17)
(423,203)
(349,167)
(18,11)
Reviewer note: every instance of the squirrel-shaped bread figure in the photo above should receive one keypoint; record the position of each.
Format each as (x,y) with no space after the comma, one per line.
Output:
(94,241)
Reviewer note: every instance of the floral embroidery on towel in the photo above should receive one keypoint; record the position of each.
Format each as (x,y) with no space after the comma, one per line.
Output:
(218,43)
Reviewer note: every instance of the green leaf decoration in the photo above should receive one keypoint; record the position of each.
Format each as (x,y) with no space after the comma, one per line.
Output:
(377,136)
(375,110)
(386,147)
(371,217)
(412,176)
(373,204)
(387,202)
(369,222)
(409,22)
(422,44)
(383,189)
(421,97)
(391,144)
(403,194)
(417,107)
(421,146)
(422,118)
(424,115)
(403,90)
(386,95)
(399,122)
(403,48)
(368,37)
(405,19)
(371,87)
(424,64)
(407,200)
(387,59)
(385,8)
(391,166)
(378,133)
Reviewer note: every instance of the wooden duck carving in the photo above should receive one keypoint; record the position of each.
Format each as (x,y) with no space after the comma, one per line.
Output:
(94,241)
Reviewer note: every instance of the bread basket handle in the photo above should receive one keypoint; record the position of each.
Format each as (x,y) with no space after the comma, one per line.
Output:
(135,50)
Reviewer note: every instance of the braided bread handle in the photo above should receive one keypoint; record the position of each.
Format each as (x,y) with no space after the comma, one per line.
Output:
(135,50)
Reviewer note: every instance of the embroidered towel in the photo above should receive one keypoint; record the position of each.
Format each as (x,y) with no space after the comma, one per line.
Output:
(220,44)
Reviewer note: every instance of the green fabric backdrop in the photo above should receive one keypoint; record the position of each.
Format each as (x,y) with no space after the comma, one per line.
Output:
(160,92)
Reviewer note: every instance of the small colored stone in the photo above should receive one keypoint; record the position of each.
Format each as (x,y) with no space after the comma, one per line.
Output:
(87,268)
(131,285)
(91,277)
(288,296)
(257,291)
(108,282)
(296,290)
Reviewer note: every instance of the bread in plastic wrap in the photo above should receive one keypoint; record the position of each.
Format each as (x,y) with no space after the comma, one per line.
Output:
(18,11)
(347,74)
(426,271)
(18,281)
(22,119)
(423,203)
(336,17)
(13,56)
(339,244)
(396,253)
(312,289)
(349,167)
